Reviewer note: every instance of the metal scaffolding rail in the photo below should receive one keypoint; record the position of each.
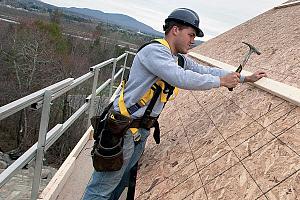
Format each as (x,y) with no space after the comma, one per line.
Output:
(42,99)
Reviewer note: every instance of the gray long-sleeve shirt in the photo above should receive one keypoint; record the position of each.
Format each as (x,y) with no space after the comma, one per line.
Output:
(155,62)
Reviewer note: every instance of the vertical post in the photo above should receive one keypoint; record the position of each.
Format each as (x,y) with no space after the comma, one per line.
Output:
(124,66)
(41,144)
(93,96)
(112,77)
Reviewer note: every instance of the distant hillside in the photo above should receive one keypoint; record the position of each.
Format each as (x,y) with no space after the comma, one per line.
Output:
(85,14)
(31,5)
(118,19)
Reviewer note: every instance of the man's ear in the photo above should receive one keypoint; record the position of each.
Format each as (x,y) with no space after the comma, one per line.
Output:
(175,30)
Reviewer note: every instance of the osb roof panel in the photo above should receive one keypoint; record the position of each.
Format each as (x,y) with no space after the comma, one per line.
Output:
(243,144)
(275,33)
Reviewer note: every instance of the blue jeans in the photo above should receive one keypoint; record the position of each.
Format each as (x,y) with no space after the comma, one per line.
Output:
(109,185)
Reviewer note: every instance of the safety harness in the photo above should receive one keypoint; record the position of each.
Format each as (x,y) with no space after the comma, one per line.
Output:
(160,88)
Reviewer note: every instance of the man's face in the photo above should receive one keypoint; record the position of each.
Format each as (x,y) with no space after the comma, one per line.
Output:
(185,38)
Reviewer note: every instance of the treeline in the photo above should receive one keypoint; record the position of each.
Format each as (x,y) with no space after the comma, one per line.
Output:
(36,54)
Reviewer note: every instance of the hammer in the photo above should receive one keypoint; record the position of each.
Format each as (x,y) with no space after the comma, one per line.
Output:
(251,50)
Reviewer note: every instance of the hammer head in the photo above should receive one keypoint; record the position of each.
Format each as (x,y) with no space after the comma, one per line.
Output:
(252,48)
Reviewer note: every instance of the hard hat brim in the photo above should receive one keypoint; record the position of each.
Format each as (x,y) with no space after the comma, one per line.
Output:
(199,32)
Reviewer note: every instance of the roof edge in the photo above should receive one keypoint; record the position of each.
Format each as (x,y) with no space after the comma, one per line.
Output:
(284,5)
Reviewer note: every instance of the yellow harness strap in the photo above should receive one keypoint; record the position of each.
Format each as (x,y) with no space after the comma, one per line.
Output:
(163,42)
(175,92)
(163,97)
(147,96)
(123,108)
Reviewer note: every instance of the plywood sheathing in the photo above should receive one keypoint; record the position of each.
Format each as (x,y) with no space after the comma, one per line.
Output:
(243,144)
(276,33)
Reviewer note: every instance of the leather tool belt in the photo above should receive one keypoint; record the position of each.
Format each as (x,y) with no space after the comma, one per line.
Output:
(146,123)
(109,131)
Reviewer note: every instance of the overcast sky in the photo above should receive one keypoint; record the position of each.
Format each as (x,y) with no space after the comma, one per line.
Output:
(216,16)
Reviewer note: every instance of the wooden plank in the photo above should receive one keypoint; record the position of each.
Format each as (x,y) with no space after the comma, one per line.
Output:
(91,137)
(76,184)
(213,62)
(284,5)
(58,181)
(284,91)
(81,143)
(56,184)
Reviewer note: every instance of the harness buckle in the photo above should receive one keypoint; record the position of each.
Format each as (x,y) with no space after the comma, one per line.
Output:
(166,90)
(137,138)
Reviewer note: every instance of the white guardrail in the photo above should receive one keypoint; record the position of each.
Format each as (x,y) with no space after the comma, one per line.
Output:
(42,99)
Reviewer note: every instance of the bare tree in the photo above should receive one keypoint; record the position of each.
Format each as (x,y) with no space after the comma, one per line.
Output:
(27,53)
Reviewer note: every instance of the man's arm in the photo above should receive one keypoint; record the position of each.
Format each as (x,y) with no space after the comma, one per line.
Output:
(157,59)
(196,67)
(227,79)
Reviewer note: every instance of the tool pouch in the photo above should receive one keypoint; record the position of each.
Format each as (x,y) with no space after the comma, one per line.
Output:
(107,152)
(98,122)
(117,123)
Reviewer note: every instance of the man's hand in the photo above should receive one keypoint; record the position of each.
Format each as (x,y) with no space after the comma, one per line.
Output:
(255,76)
(230,80)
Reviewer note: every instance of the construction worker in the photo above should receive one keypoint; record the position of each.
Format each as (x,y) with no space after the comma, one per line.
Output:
(154,63)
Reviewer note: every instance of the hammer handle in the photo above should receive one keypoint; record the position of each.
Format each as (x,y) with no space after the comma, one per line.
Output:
(239,69)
